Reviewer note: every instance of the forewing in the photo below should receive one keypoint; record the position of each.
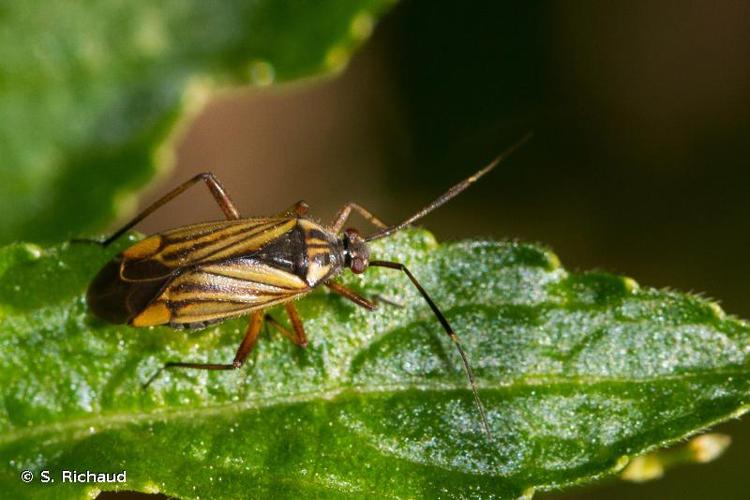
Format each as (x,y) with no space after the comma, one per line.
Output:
(221,290)
(162,254)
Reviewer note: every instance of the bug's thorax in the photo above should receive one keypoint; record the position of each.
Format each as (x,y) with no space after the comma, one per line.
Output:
(309,251)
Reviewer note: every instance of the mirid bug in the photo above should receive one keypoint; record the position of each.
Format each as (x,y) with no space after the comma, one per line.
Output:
(196,275)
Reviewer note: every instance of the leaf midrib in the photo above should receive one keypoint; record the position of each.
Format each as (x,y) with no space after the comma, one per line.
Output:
(115,420)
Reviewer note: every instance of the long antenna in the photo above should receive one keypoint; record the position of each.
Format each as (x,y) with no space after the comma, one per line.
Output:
(452,192)
(451,333)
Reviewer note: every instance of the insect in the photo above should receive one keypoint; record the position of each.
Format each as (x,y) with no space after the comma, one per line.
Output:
(196,275)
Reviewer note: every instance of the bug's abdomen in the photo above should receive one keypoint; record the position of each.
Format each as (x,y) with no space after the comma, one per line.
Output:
(118,301)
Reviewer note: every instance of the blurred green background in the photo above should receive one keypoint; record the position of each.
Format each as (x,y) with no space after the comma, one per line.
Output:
(641,114)
(639,165)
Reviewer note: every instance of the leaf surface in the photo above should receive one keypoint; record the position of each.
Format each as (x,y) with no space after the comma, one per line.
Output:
(578,372)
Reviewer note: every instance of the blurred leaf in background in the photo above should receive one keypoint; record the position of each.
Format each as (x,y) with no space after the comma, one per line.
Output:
(89,91)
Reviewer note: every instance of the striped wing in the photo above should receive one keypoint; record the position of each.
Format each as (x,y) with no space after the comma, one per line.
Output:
(160,255)
(216,291)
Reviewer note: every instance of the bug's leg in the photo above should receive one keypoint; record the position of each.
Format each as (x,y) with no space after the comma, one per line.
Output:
(293,336)
(378,299)
(214,186)
(351,295)
(346,210)
(246,346)
(448,329)
(299,209)
(299,328)
(270,320)
(358,299)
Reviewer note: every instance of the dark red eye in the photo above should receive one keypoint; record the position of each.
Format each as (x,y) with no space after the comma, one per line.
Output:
(358,266)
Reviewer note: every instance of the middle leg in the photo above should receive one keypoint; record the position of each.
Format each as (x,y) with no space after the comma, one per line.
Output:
(298,336)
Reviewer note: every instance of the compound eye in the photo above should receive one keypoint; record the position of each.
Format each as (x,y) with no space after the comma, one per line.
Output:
(358,266)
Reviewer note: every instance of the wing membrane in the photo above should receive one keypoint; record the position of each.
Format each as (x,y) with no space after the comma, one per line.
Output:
(160,255)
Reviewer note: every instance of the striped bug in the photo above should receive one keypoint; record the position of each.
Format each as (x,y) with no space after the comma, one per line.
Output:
(200,274)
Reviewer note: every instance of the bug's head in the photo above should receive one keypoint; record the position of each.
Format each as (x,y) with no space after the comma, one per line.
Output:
(356,252)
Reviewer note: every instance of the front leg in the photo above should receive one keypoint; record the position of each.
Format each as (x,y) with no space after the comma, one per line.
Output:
(345,212)
(358,299)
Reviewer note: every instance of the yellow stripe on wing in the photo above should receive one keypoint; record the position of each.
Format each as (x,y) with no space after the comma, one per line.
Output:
(224,290)
(257,273)
(160,255)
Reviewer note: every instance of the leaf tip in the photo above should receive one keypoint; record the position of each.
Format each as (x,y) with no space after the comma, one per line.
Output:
(151,488)
(124,203)
(362,25)
(643,468)
(621,463)
(630,284)
(91,492)
(709,447)
(700,450)
(336,58)
(261,73)
(33,251)
(528,493)
(198,92)
(553,261)
(716,310)
(740,411)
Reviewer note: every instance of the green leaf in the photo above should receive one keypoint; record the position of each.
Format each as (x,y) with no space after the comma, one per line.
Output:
(89,91)
(578,372)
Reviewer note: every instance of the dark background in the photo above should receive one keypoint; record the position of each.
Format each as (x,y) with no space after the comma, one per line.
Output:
(641,114)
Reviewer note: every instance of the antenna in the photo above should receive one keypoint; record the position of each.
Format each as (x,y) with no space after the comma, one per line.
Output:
(452,192)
